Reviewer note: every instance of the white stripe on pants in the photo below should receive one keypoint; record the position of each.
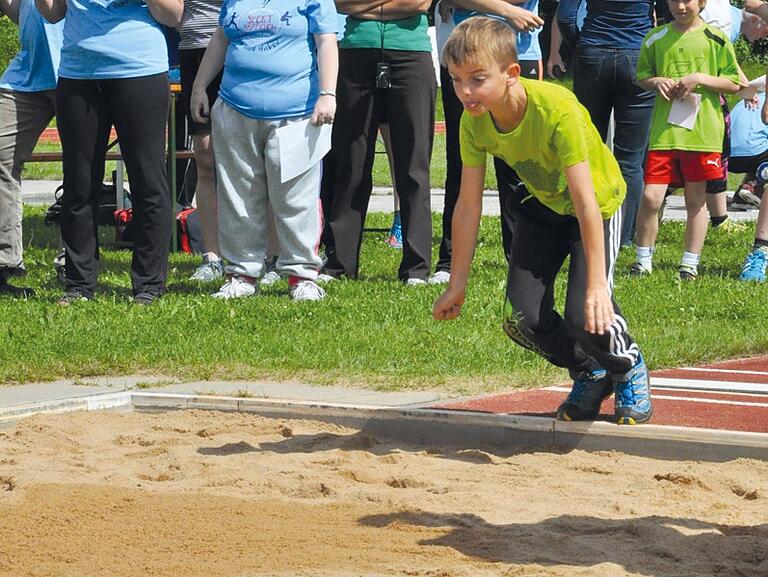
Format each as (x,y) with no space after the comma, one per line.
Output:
(247,178)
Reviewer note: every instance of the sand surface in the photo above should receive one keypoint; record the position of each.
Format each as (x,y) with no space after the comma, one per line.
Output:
(205,494)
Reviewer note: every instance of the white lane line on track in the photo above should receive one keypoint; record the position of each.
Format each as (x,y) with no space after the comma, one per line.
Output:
(734,371)
(691,399)
(714,386)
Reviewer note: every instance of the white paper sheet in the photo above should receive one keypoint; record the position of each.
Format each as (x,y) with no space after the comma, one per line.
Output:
(684,111)
(301,145)
(755,86)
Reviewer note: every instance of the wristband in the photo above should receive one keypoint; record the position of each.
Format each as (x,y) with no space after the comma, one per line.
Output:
(327,93)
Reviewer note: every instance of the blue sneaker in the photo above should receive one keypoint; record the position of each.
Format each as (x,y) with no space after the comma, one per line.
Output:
(589,390)
(755,265)
(395,238)
(633,396)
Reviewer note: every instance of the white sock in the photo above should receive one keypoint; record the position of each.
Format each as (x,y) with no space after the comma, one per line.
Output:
(691,259)
(644,256)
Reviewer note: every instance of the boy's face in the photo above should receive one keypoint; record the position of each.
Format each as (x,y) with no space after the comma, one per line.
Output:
(480,87)
(685,11)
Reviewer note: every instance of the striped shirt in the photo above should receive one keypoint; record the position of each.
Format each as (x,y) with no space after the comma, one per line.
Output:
(199,22)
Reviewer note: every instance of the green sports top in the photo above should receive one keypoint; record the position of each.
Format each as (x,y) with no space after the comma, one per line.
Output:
(668,53)
(556,132)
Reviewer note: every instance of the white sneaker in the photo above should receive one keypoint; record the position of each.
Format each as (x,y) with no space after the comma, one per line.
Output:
(307,290)
(235,288)
(270,278)
(440,277)
(415,282)
(208,271)
(326,278)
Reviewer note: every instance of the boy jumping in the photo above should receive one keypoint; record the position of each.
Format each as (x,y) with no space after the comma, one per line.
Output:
(569,205)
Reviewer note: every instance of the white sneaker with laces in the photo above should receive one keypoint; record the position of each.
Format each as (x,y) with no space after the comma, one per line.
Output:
(415,282)
(235,288)
(208,271)
(270,278)
(440,277)
(307,290)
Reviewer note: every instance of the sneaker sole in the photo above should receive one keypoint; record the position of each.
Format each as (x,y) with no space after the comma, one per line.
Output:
(634,421)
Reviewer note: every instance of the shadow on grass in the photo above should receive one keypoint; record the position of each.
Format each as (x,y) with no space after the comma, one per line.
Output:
(651,546)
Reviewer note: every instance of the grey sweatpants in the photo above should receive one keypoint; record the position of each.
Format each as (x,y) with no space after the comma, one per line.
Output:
(247,178)
(23,117)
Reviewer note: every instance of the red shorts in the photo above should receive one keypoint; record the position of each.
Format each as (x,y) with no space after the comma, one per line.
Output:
(676,167)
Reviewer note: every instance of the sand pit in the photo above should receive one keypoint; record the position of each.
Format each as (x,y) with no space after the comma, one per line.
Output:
(188,494)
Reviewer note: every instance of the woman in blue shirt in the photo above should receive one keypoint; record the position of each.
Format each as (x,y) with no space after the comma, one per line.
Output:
(114,70)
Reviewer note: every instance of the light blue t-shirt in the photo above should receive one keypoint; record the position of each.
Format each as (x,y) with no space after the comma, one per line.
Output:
(34,68)
(749,136)
(527,42)
(737,17)
(111,39)
(270,69)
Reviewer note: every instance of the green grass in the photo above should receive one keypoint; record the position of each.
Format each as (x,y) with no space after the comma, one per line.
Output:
(373,332)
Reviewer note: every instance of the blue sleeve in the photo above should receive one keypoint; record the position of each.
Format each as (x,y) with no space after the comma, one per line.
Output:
(567,13)
(322,16)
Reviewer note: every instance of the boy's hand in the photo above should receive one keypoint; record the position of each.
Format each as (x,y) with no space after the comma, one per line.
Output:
(448,305)
(598,311)
(685,86)
(666,88)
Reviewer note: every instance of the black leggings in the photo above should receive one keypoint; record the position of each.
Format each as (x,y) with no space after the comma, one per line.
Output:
(138,108)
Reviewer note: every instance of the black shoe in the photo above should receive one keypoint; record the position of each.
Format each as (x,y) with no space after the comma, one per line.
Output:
(145,299)
(15,291)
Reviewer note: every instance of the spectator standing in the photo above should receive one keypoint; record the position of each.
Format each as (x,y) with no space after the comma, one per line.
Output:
(280,65)
(685,59)
(604,81)
(199,22)
(114,70)
(27,105)
(386,75)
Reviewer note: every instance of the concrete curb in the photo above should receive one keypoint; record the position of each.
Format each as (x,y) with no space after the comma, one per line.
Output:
(505,433)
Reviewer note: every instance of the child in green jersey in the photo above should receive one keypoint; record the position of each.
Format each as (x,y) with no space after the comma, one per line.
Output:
(569,205)
(688,63)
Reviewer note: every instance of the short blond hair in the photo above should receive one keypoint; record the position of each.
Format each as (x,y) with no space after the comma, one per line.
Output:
(481,40)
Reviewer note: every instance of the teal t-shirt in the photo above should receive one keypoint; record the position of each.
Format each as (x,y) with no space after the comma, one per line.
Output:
(405,34)
(668,53)
(556,132)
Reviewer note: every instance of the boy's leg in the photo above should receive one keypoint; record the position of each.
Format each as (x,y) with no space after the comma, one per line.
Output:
(695,228)
(241,188)
(647,226)
(296,212)
(615,351)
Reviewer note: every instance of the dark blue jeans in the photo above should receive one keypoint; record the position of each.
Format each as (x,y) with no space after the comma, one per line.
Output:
(605,80)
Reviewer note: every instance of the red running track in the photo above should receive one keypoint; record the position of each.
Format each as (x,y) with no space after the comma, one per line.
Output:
(676,402)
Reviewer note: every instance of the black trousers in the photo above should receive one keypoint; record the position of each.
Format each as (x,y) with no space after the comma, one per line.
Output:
(409,108)
(541,241)
(138,108)
(506,178)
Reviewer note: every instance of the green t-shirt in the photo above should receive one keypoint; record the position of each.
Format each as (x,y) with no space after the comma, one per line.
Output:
(555,133)
(406,34)
(668,53)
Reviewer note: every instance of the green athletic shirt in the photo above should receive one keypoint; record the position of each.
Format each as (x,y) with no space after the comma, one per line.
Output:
(406,34)
(668,53)
(556,132)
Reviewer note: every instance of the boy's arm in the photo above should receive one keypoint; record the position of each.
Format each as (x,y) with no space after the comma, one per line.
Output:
(598,307)
(688,84)
(466,221)
(521,19)
(664,86)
